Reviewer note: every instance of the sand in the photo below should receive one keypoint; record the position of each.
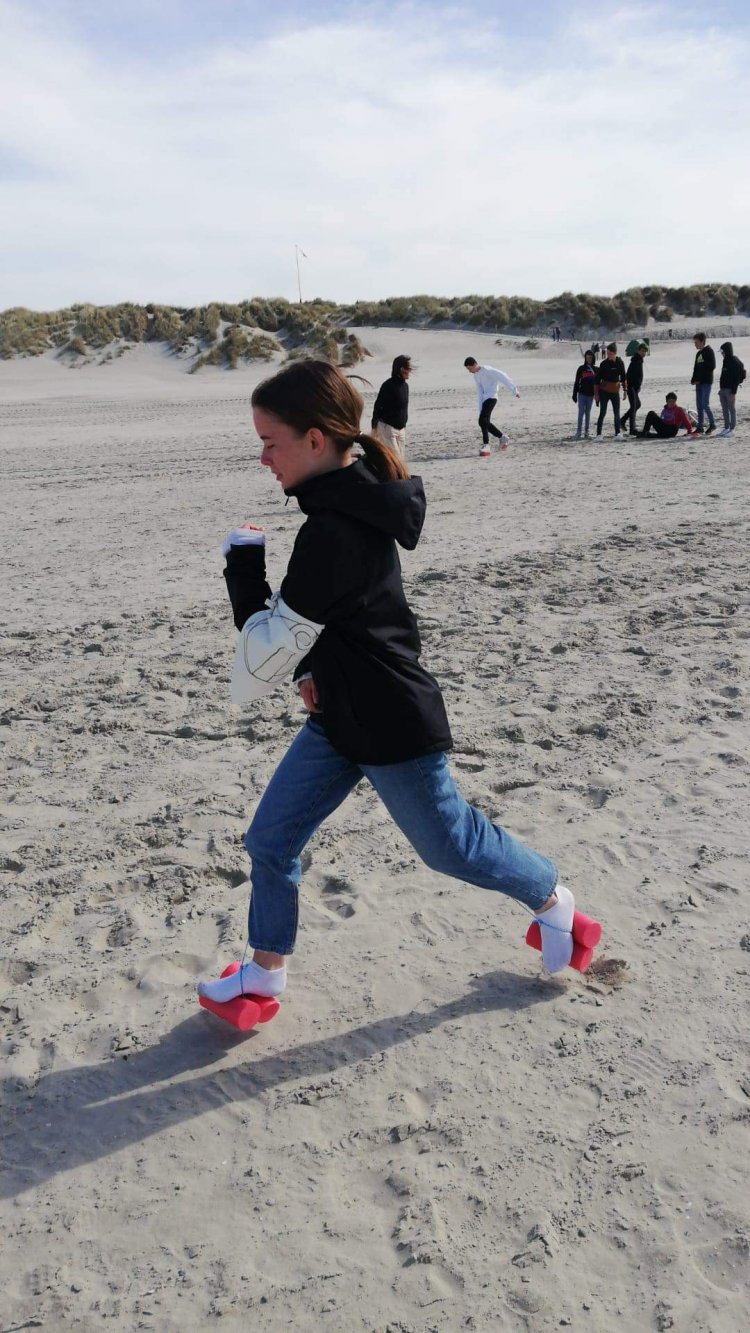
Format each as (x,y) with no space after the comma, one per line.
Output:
(430,1135)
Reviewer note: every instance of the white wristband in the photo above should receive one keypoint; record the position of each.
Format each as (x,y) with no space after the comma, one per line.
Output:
(244,536)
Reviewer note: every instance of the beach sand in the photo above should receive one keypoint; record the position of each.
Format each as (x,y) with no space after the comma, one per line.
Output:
(430,1135)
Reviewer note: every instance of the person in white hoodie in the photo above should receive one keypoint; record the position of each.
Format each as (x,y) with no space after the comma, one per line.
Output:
(487,380)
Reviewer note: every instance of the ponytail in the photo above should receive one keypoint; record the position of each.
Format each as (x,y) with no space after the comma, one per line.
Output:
(314,393)
(386,463)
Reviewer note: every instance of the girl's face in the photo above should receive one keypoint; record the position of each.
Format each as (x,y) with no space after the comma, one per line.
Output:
(291,457)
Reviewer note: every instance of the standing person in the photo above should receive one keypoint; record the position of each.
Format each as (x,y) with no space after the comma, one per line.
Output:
(732,376)
(583,393)
(341,624)
(391,410)
(609,377)
(487,380)
(703,377)
(633,384)
(666,426)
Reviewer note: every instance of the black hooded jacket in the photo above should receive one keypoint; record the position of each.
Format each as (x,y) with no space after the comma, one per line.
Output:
(635,373)
(704,365)
(378,704)
(392,403)
(732,370)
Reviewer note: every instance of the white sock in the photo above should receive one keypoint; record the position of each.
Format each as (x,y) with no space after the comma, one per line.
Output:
(252,979)
(556,925)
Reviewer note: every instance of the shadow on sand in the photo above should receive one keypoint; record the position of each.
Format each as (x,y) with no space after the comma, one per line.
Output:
(76,1116)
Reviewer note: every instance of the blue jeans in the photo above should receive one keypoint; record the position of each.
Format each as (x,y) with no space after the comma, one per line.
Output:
(584,411)
(702,395)
(421,797)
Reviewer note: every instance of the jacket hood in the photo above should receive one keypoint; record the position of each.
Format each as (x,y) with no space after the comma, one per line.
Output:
(728,348)
(396,508)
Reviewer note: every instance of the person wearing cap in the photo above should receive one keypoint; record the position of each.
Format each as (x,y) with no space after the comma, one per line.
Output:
(732,376)
(703,377)
(609,377)
(390,412)
(634,381)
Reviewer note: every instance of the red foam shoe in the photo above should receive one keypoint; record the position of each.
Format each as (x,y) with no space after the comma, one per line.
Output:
(586,935)
(246,1011)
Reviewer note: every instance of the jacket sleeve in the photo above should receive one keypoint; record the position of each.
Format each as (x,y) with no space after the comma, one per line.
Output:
(379,404)
(504,379)
(245,576)
(576,383)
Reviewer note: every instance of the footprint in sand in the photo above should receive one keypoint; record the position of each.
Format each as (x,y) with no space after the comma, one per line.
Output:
(609,971)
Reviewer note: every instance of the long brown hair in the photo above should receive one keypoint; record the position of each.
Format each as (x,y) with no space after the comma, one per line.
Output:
(311,394)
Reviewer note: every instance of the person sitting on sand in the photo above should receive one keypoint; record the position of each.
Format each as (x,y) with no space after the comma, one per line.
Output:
(342,626)
(390,412)
(666,426)
(487,380)
(583,393)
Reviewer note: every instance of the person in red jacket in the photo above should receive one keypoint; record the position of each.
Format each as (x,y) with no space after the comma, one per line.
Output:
(666,426)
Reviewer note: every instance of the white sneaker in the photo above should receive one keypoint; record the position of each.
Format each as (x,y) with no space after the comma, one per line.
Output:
(723,433)
(504,441)
(619,436)
(485,452)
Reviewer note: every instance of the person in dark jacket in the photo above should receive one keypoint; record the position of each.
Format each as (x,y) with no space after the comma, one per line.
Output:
(341,624)
(391,410)
(633,385)
(732,376)
(583,393)
(703,377)
(609,377)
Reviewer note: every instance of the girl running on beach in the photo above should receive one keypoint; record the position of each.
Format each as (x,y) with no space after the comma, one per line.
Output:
(341,626)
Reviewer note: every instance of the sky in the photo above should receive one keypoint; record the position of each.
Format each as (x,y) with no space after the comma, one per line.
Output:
(178,153)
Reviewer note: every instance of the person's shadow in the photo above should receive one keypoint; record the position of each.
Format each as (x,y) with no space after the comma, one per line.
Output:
(77,1116)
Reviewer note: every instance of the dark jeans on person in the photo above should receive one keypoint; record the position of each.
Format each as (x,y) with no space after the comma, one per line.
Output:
(660,428)
(702,395)
(604,399)
(485,425)
(630,415)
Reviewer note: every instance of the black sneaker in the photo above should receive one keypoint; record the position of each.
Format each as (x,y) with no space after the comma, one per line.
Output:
(710,430)
(700,430)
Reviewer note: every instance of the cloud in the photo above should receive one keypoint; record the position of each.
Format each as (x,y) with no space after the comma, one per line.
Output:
(406,150)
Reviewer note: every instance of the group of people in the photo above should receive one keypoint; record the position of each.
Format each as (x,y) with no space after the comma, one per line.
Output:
(604,384)
(390,411)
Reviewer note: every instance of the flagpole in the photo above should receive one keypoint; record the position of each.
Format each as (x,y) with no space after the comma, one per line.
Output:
(299,281)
